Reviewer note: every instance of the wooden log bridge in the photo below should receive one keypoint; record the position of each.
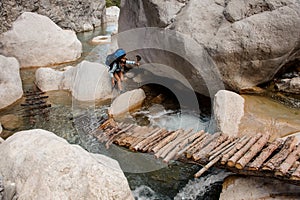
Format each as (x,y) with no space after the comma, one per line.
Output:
(246,155)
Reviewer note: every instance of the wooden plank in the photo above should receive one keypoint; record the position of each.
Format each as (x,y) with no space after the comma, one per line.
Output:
(217,139)
(144,142)
(166,149)
(236,147)
(206,167)
(165,141)
(264,155)
(296,174)
(288,162)
(225,148)
(232,161)
(257,147)
(197,136)
(277,159)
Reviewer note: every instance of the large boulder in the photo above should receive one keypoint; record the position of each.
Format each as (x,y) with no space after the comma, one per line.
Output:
(241,37)
(228,112)
(127,102)
(10,81)
(87,81)
(35,40)
(45,166)
(68,14)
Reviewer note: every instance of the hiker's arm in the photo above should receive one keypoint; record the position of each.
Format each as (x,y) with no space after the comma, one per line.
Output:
(131,62)
(112,70)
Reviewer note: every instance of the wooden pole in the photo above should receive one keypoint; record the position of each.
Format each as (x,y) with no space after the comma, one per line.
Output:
(217,139)
(288,162)
(224,149)
(206,167)
(231,162)
(238,146)
(277,159)
(296,174)
(264,155)
(257,147)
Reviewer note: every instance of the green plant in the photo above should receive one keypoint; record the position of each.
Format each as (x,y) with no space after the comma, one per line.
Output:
(113,3)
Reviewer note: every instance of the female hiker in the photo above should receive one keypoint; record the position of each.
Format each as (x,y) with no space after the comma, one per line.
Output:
(116,63)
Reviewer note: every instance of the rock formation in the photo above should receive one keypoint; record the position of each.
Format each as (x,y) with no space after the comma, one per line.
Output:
(242,37)
(36,41)
(75,14)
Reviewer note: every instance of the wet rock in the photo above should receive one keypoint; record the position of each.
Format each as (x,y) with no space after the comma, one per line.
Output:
(11,122)
(40,42)
(5,134)
(252,90)
(45,166)
(248,188)
(158,99)
(10,81)
(289,85)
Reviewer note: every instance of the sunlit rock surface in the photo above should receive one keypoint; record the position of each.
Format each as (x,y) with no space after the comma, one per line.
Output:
(45,166)
(228,112)
(88,81)
(68,14)
(127,102)
(10,81)
(35,40)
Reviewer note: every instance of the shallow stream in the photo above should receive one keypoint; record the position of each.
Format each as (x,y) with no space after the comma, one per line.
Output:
(148,177)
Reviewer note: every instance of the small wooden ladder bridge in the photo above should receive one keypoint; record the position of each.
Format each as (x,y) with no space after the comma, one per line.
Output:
(248,155)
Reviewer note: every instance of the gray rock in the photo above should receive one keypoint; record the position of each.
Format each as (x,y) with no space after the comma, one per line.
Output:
(289,85)
(241,37)
(40,42)
(68,14)
(228,112)
(87,81)
(10,81)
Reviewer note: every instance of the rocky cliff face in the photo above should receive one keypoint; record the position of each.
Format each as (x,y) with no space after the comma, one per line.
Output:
(248,41)
(77,15)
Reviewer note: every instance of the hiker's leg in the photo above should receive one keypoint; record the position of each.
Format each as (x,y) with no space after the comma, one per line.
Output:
(118,81)
(121,76)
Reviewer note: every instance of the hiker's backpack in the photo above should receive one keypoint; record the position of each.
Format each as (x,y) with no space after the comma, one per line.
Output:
(114,56)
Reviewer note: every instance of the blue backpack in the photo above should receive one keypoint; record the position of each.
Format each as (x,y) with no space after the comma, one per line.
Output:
(114,56)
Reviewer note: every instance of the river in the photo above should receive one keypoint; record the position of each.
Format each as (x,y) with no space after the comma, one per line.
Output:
(149,178)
